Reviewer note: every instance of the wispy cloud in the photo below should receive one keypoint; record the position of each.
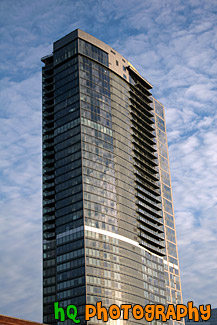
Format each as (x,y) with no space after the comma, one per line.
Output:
(173,44)
(20,198)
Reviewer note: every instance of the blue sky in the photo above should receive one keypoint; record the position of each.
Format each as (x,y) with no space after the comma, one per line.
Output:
(173,44)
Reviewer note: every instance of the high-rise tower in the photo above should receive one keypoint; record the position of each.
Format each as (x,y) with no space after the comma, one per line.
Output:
(108,222)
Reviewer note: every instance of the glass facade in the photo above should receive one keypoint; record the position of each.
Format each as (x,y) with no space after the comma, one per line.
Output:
(108,222)
(171,263)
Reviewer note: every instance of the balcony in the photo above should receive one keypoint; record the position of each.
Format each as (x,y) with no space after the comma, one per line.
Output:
(48,201)
(48,107)
(47,101)
(49,235)
(143,129)
(145,164)
(151,155)
(143,145)
(48,153)
(47,162)
(150,188)
(48,210)
(48,193)
(140,135)
(48,178)
(142,89)
(146,214)
(153,203)
(48,115)
(152,240)
(141,101)
(48,169)
(48,119)
(48,185)
(145,156)
(48,67)
(156,213)
(49,226)
(47,81)
(138,113)
(155,233)
(151,224)
(156,198)
(150,182)
(146,172)
(145,142)
(152,248)
(48,145)
(48,218)
(48,136)
(136,91)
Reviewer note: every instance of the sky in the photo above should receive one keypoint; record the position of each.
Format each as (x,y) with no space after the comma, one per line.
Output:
(173,44)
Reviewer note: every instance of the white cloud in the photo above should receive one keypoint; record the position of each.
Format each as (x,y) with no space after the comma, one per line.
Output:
(20,199)
(173,45)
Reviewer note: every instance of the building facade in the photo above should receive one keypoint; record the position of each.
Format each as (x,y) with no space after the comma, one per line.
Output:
(108,221)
